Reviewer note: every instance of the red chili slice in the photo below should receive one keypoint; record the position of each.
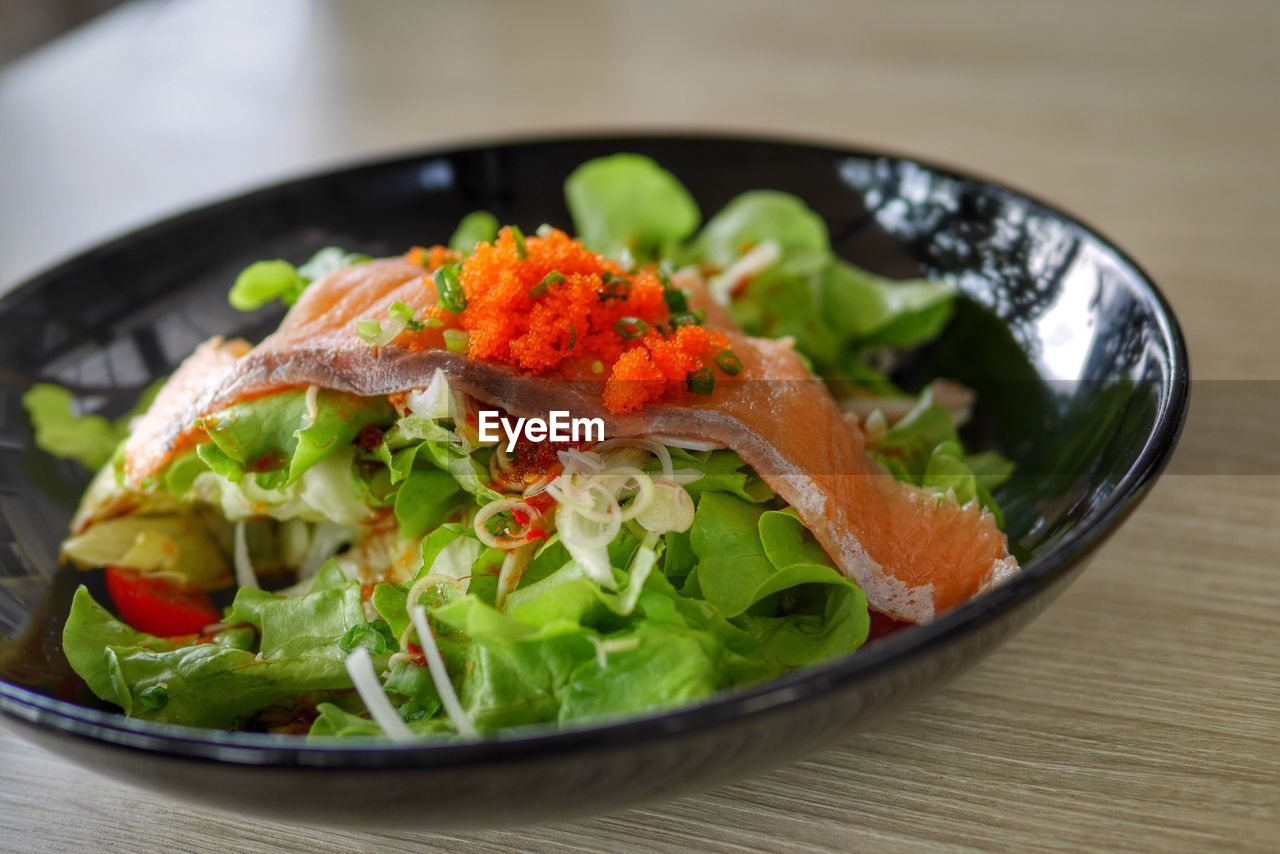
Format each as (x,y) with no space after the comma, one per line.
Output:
(159,605)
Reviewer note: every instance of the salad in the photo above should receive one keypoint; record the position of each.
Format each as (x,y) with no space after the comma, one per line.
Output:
(383,520)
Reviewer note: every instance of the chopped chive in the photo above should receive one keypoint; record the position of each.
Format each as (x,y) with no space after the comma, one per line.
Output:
(573,336)
(400,311)
(676,299)
(630,327)
(369,330)
(456,341)
(686,318)
(552,278)
(522,248)
(449,285)
(729,362)
(701,381)
(614,287)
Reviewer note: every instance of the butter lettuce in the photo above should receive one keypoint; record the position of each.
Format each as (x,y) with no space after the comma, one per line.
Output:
(758,216)
(214,684)
(475,227)
(628,203)
(278,437)
(924,448)
(263,282)
(88,438)
(834,310)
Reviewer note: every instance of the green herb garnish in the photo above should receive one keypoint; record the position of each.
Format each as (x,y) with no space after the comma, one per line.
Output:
(540,289)
(701,381)
(449,285)
(630,327)
(728,361)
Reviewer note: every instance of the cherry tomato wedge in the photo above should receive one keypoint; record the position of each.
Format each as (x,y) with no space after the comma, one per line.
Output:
(158,605)
(882,624)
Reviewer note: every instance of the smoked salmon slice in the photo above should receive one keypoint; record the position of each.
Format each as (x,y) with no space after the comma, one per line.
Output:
(914,554)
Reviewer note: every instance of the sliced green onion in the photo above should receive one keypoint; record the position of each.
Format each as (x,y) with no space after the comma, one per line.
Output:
(449,285)
(701,381)
(456,341)
(676,299)
(370,331)
(401,311)
(552,278)
(686,318)
(573,336)
(522,248)
(614,287)
(729,362)
(630,327)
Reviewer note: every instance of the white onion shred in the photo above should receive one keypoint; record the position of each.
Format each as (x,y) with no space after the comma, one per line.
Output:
(761,257)
(641,565)
(388,329)
(440,676)
(312,401)
(326,539)
(245,576)
(433,401)
(604,647)
(359,666)
(481,523)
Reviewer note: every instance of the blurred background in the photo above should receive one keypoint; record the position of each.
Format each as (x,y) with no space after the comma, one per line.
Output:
(1127,111)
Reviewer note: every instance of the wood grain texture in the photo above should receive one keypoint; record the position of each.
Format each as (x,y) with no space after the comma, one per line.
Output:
(1142,711)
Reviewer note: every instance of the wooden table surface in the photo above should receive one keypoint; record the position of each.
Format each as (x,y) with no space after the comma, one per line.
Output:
(1142,711)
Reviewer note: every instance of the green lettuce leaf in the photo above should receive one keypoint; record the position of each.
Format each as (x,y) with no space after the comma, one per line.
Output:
(276,437)
(722,471)
(476,227)
(627,202)
(89,439)
(265,281)
(763,569)
(334,721)
(872,311)
(924,448)
(424,499)
(758,216)
(653,667)
(206,684)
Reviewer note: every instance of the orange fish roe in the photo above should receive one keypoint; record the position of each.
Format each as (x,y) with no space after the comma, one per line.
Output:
(432,258)
(647,372)
(548,304)
(512,317)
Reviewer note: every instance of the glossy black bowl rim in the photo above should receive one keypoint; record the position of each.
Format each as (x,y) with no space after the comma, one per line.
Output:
(795,687)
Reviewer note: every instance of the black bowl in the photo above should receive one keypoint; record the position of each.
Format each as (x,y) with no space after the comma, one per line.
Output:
(1079,365)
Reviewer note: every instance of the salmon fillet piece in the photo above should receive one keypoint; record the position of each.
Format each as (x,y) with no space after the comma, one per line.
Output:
(914,554)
